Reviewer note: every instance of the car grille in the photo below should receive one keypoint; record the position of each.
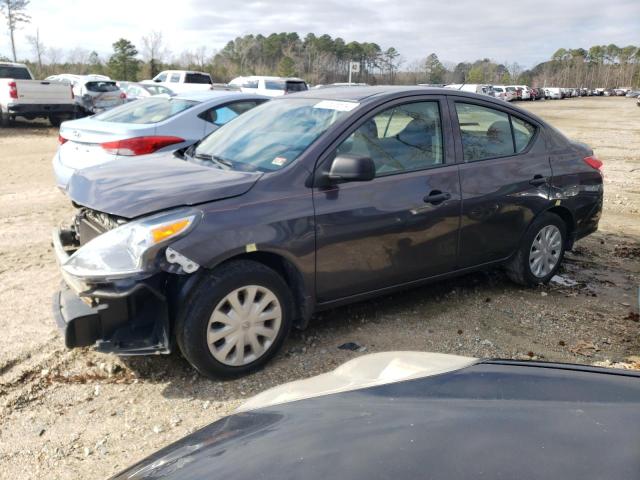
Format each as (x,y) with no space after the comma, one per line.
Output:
(91,223)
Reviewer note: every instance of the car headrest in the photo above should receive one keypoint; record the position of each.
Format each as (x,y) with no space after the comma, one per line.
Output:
(499,131)
(418,133)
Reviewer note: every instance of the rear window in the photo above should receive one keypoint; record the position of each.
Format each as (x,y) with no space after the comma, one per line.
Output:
(197,78)
(296,86)
(146,111)
(249,84)
(101,86)
(19,73)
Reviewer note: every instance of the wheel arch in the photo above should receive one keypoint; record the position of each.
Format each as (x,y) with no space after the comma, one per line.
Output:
(569,220)
(287,269)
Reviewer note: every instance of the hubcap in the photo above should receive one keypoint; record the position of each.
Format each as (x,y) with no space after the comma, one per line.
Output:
(244,325)
(545,251)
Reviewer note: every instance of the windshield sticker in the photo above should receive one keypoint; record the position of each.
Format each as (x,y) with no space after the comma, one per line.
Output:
(279,161)
(336,105)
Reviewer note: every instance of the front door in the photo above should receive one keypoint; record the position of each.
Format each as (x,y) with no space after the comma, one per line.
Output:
(402,225)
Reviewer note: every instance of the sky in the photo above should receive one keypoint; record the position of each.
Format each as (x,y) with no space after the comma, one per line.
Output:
(523,31)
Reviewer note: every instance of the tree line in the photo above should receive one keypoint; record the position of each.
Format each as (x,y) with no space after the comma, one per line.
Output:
(321,59)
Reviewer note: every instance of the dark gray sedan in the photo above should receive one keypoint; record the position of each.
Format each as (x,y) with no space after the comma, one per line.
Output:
(411,415)
(310,201)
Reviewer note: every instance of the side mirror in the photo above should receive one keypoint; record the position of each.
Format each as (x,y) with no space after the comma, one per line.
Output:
(157,80)
(352,168)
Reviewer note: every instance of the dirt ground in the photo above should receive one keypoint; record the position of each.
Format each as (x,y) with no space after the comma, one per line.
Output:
(80,414)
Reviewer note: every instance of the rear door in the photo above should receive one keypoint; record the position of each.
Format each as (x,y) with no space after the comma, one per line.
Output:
(504,177)
(402,225)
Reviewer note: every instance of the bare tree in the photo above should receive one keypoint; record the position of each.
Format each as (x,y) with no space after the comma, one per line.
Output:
(14,12)
(54,55)
(37,47)
(154,51)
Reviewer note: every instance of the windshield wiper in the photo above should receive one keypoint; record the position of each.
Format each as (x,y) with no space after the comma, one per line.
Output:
(214,159)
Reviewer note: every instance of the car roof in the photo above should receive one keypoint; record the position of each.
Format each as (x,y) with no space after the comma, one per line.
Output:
(206,95)
(266,77)
(372,94)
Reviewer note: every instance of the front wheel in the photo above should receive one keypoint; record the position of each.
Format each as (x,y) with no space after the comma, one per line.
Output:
(541,251)
(236,320)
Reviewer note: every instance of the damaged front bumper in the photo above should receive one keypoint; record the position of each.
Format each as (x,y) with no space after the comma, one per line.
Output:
(125,316)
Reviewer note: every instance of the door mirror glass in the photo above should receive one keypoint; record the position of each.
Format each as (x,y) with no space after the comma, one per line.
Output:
(352,168)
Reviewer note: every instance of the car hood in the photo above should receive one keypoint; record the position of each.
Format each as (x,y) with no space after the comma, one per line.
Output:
(133,187)
(491,419)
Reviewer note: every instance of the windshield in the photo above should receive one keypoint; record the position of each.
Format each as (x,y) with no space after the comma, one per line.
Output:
(272,135)
(146,111)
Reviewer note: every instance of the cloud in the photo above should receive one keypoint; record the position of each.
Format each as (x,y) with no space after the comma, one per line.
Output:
(524,31)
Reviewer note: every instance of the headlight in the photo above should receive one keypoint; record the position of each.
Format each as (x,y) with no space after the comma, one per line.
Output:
(130,249)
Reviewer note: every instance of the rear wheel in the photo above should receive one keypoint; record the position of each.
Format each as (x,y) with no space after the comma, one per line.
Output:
(236,320)
(541,251)
(4,119)
(55,120)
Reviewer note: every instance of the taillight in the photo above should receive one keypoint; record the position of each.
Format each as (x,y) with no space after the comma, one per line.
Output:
(593,162)
(73,95)
(139,145)
(123,95)
(61,139)
(13,90)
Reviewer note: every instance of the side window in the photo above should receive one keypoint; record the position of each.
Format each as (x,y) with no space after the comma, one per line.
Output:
(161,77)
(175,78)
(485,132)
(221,115)
(400,139)
(523,132)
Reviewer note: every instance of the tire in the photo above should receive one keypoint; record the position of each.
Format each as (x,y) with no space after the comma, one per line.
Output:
(239,280)
(523,268)
(4,119)
(55,120)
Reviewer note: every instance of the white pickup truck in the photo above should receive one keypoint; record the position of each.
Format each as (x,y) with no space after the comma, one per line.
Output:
(22,96)
(181,81)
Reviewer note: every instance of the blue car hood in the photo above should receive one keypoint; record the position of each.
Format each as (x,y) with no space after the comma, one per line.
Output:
(133,187)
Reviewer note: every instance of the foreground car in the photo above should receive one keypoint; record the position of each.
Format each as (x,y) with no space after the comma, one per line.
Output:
(145,128)
(308,202)
(409,415)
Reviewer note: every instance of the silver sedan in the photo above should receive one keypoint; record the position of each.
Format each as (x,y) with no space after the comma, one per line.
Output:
(145,128)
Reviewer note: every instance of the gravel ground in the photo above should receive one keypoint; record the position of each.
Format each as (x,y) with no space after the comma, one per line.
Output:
(80,414)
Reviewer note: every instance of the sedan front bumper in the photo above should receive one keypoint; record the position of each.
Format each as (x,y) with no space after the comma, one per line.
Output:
(124,317)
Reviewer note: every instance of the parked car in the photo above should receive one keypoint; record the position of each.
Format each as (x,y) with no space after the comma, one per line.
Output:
(633,94)
(537,94)
(525,92)
(182,81)
(136,91)
(409,415)
(308,202)
(93,93)
(501,92)
(22,96)
(481,89)
(270,86)
(553,93)
(145,128)
(516,93)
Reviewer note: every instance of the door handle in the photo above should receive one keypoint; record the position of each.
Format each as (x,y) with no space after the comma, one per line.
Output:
(436,197)
(538,180)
